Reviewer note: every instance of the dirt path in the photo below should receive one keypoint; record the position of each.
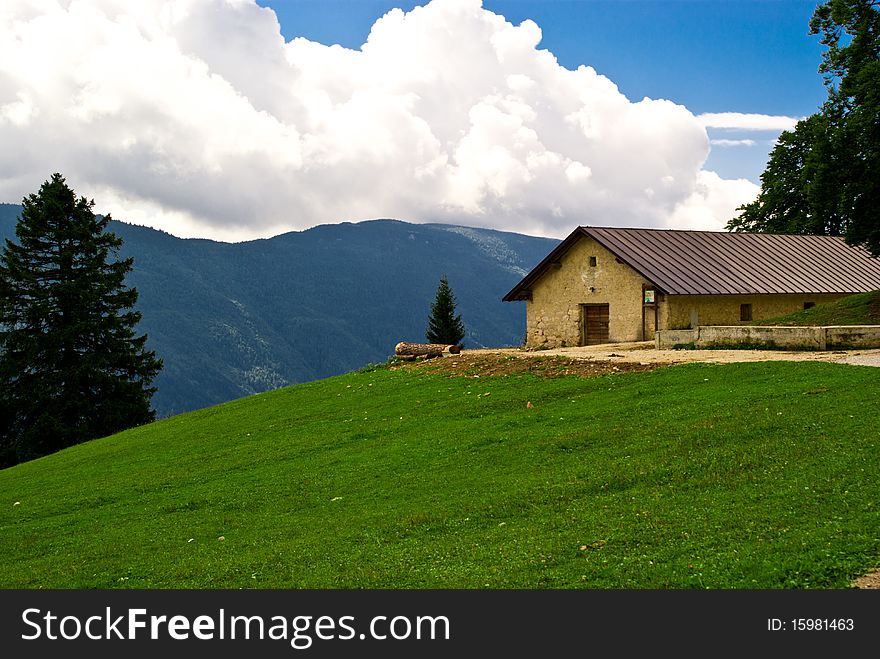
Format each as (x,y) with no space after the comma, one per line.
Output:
(645,353)
(870,581)
(617,357)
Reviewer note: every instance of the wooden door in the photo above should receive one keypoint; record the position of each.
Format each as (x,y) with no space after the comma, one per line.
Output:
(594,324)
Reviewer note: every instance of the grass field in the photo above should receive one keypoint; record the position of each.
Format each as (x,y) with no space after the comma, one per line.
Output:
(761,475)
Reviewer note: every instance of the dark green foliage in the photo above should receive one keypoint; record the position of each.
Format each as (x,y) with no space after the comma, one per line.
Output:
(850,29)
(71,367)
(824,177)
(800,186)
(444,325)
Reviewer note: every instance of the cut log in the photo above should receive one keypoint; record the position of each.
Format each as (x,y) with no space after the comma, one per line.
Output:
(424,349)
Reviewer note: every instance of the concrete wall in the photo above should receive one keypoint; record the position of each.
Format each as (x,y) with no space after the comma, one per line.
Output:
(666,339)
(795,338)
(852,336)
(553,315)
(785,338)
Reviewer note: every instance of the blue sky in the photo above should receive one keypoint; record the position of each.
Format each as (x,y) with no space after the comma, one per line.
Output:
(710,55)
(243,119)
(749,56)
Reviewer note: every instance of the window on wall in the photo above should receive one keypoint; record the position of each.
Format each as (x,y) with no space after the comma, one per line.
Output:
(745,312)
(592,261)
(809,305)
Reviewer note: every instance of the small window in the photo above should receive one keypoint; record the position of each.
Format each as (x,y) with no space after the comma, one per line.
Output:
(809,305)
(592,261)
(745,312)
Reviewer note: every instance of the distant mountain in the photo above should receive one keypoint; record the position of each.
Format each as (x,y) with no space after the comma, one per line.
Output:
(231,320)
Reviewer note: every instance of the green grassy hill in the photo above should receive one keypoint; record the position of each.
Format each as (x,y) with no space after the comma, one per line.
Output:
(860,309)
(761,475)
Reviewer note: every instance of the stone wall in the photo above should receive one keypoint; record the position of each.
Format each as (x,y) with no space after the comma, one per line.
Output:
(768,336)
(795,338)
(852,336)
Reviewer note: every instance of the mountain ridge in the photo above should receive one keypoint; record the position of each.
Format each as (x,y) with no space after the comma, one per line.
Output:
(234,319)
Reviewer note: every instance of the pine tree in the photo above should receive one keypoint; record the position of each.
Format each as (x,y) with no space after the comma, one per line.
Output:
(71,365)
(444,326)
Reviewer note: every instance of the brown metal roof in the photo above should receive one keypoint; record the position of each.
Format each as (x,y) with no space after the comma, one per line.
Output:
(720,263)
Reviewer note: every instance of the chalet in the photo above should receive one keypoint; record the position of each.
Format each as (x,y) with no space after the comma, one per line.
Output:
(604,285)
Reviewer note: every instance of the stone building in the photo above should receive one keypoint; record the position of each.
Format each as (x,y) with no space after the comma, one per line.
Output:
(605,285)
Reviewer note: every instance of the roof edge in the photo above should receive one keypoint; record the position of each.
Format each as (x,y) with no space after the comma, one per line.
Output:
(522,291)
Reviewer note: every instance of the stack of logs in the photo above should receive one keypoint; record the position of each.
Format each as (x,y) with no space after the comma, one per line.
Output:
(412,351)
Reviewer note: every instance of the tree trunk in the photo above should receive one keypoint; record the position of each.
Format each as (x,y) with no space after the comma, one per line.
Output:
(425,349)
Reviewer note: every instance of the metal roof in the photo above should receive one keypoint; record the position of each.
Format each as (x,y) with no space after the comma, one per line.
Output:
(721,263)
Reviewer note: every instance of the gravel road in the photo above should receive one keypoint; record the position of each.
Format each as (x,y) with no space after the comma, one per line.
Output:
(644,352)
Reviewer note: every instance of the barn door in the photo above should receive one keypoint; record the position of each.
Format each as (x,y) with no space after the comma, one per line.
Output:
(594,324)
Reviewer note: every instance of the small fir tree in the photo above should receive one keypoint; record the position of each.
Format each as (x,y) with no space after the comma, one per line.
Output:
(71,366)
(444,326)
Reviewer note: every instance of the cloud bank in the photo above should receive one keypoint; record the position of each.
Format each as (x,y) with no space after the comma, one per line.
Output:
(196,117)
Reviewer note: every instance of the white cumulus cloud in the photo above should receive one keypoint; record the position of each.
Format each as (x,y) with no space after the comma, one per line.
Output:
(712,202)
(196,117)
(724,142)
(744,121)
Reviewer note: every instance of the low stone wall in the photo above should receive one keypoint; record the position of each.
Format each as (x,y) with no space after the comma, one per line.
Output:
(852,336)
(783,338)
(672,338)
(759,336)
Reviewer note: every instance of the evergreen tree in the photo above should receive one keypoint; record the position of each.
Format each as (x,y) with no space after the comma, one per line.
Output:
(71,366)
(444,326)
